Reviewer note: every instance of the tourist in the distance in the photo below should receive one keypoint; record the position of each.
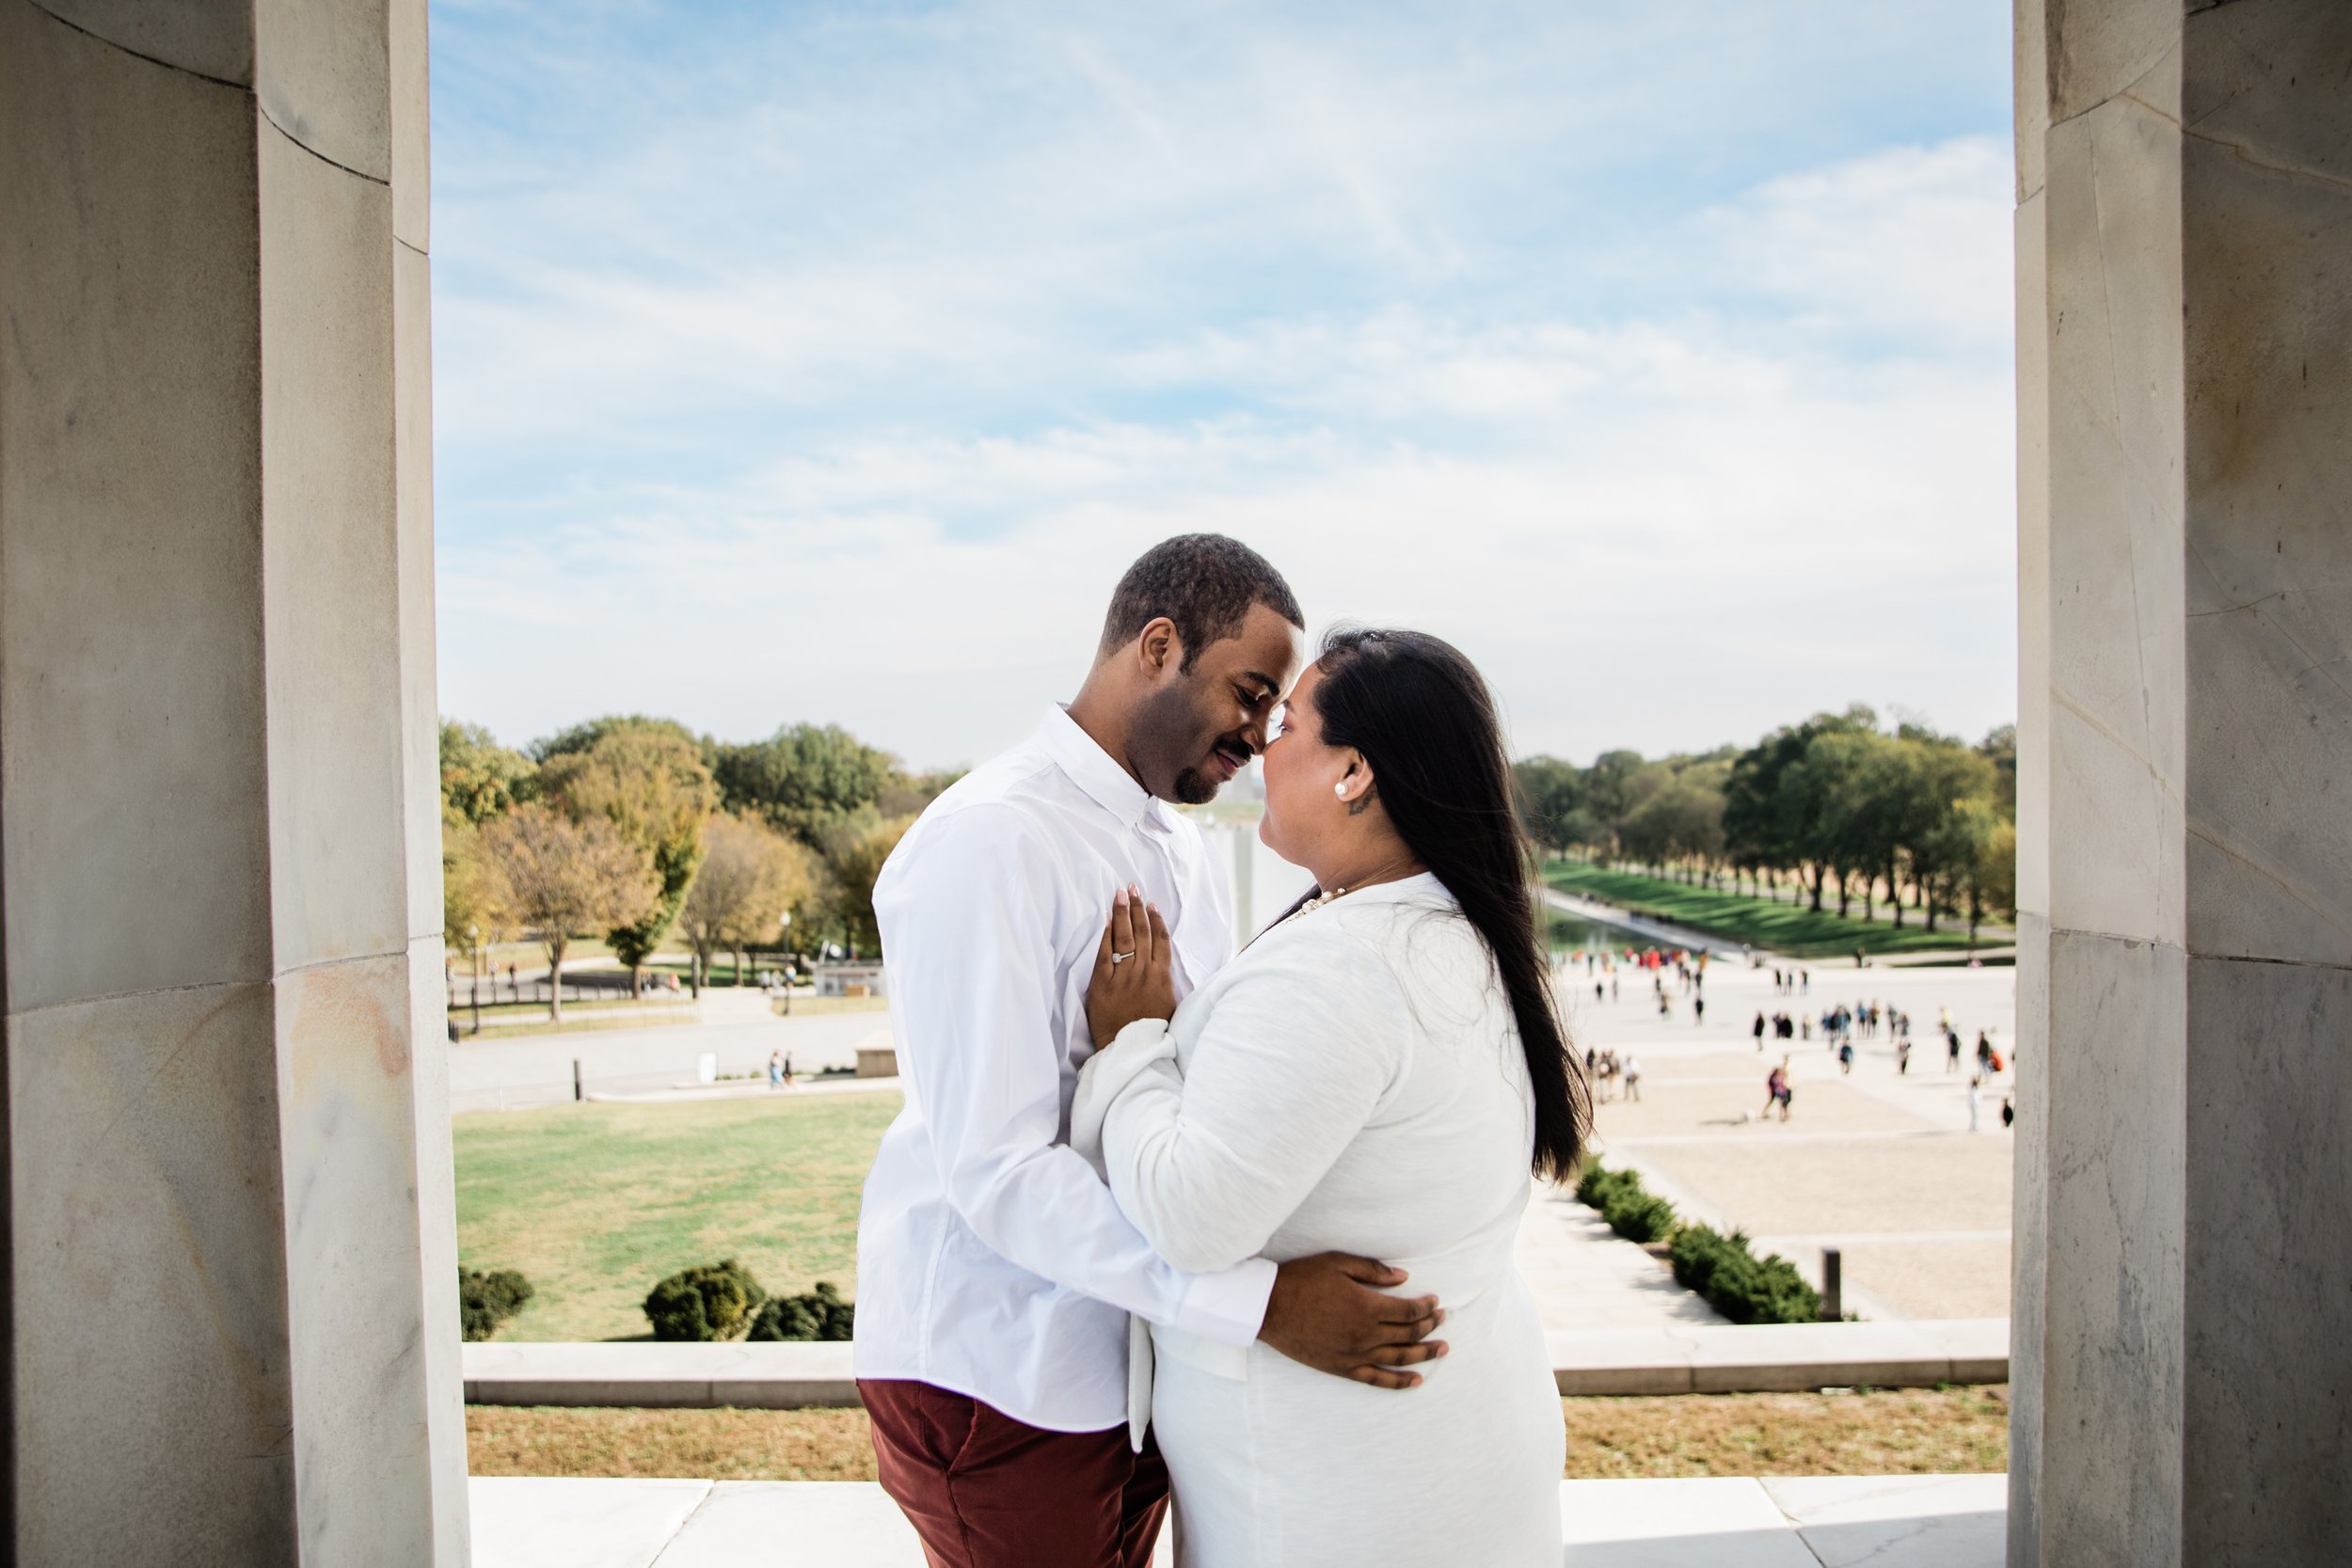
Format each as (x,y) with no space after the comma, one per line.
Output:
(1381,1068)
(995,1275)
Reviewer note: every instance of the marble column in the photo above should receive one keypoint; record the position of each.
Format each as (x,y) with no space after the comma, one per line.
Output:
(2183,1308)
(230,1299)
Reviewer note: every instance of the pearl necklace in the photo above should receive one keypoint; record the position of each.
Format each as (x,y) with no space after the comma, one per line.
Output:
(1318,901)
(1322,898)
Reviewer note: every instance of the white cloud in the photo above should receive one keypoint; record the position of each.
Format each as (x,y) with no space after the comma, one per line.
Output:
(1674,543)
(848,396)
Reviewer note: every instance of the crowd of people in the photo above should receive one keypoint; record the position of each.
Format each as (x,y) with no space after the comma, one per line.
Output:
(1678,975)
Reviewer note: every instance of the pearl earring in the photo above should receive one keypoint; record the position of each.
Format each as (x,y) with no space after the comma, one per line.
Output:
(1340,790)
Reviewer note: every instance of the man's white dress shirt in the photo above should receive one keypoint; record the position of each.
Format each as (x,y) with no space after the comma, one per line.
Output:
(991,1259)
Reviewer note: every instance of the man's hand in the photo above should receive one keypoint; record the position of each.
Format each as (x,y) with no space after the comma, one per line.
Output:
(1326,1313)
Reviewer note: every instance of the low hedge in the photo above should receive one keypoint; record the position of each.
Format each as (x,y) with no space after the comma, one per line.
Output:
(818,1314)
(1736,1282)
(710,1300)
(722,1301)
(487,1301)
(1632,1213)
(1723,1269)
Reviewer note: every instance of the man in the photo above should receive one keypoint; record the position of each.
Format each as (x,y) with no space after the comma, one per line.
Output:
(997,1276)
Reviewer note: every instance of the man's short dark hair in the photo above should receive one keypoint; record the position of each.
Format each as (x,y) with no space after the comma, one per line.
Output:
(1205,583)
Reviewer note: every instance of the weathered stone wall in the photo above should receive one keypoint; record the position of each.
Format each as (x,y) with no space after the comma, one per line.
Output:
(2183,1311)
(231,1240)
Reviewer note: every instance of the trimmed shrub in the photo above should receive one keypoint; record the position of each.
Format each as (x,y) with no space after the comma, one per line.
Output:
(1742,1287)
(1640,1216)
(1593,1185)
(818,1314)
(1633,1212)
(710,1300)
(1734,1281)
(486,1301)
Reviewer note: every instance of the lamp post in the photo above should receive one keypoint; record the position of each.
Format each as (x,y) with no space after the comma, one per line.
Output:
(474,941)
(784,934)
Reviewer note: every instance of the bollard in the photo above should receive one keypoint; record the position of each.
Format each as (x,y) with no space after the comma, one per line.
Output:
(576,1093)
(1833,1285)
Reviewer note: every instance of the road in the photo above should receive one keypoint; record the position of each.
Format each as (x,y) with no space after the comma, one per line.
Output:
(535,1070)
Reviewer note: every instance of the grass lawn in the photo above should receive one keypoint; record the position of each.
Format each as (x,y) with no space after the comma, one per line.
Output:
(1792,929)
(594,1203)
(1874,1432)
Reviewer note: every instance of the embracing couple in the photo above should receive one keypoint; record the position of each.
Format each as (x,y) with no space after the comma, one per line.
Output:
(1149,1217)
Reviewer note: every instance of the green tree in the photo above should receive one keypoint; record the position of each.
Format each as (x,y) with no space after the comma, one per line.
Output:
(584,736)
(480,778)
(855,855)
(1880,809)
(1960,812)
(1680,820)
(566,878)
(1991,886)
(1774,803)
(751,876)
(475,900)
(650,784)
(1609,794)
(911,794)
(805,780)
(1999,748)
(1831,784)
(1549,795)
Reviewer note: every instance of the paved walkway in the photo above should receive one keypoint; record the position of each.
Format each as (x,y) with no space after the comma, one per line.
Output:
(1878,1161)
(536,1070)
(1812,1522)
(1585,1277)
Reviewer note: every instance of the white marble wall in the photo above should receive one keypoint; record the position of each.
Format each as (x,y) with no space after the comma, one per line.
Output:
(2183,1313)
(230,1209)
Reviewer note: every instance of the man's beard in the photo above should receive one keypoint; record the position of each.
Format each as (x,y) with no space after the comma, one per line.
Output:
(1166,722)
(1193,787)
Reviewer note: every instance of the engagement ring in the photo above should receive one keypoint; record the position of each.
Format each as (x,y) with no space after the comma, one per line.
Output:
(1121,958)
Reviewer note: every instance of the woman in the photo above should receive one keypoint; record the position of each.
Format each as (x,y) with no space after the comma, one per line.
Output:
(1378,1073)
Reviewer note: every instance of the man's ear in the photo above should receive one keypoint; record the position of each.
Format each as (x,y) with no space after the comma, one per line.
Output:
(1160,648)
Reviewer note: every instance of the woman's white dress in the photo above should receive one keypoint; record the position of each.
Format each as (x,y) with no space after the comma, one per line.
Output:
(1353,1082)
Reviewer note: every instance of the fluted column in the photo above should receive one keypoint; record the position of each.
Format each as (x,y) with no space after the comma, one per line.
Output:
(231,1313)
(2183,1311)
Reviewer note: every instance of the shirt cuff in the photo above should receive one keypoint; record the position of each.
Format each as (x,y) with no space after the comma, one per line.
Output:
(1103,1076)
(1230,1307)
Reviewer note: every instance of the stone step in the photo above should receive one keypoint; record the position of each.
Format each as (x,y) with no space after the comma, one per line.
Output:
(1755,1358)
(1718,1522)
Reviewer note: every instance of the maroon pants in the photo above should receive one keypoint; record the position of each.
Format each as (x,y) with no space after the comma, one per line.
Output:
(986,1491)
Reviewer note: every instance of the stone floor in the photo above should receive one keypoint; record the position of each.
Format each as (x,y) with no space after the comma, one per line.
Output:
(1879,1162)
(1812,1522)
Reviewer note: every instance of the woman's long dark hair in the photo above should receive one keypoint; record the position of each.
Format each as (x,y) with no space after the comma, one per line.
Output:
(1423,717)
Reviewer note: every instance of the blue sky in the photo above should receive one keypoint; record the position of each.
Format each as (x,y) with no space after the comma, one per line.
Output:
(796,363)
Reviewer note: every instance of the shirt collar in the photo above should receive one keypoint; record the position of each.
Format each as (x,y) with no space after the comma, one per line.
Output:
(1095,771)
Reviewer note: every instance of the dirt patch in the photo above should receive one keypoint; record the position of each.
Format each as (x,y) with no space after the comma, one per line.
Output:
(1872,1433)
